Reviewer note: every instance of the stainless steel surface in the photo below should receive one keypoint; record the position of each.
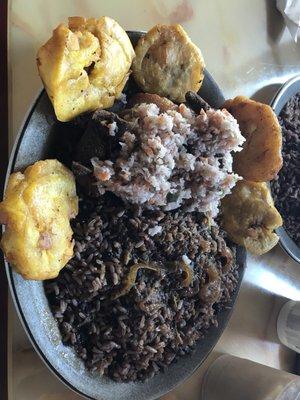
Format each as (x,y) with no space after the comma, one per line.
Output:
(234,378)
(276,273)
(287,90)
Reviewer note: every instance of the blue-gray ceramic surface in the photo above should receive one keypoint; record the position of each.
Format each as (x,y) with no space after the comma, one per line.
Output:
(33,143)
(289,89)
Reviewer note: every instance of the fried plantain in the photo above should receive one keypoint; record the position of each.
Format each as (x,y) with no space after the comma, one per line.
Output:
(249,216)
(260,160)
(36,210)
(85,66)
(168,63)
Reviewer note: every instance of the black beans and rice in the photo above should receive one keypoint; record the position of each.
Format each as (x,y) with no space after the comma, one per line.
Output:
(128,301)
(286,188)
(144,284)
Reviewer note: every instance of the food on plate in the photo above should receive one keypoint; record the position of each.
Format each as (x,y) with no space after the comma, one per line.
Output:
(151,266)
(36,210)
(249,216)
(101,138)
(85,66)
(142,287)
(286,188)
(162,103)
(168,63)
(260,160)
(195,102)
(164,160)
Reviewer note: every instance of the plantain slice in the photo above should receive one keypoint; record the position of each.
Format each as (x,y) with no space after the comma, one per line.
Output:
(85,65)
(37,208)
(260,160)
(249,216)
(168,63)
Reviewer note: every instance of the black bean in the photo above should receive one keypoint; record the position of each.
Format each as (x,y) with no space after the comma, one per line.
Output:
(285,188)
(138,334)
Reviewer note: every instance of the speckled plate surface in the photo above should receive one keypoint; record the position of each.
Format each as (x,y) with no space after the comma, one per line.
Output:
(35,142)
(289,89)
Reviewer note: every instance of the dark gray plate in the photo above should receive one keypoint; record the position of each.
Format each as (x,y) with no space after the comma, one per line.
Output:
(35,142)
(289,89)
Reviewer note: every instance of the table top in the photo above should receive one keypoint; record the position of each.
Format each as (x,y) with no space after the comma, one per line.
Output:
(248,51)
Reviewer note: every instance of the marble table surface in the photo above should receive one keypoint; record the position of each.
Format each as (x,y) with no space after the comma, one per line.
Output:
(249,51)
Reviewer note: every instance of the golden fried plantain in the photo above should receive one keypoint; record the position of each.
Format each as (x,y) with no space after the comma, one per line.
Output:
(260,160)
(36,210)
(249,216)
(168,63)
(85,66)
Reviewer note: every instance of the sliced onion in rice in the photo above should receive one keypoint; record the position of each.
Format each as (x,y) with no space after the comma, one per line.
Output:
(130,279)
(189,274)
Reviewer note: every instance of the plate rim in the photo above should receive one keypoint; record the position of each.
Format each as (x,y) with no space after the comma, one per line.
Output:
(8,268)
